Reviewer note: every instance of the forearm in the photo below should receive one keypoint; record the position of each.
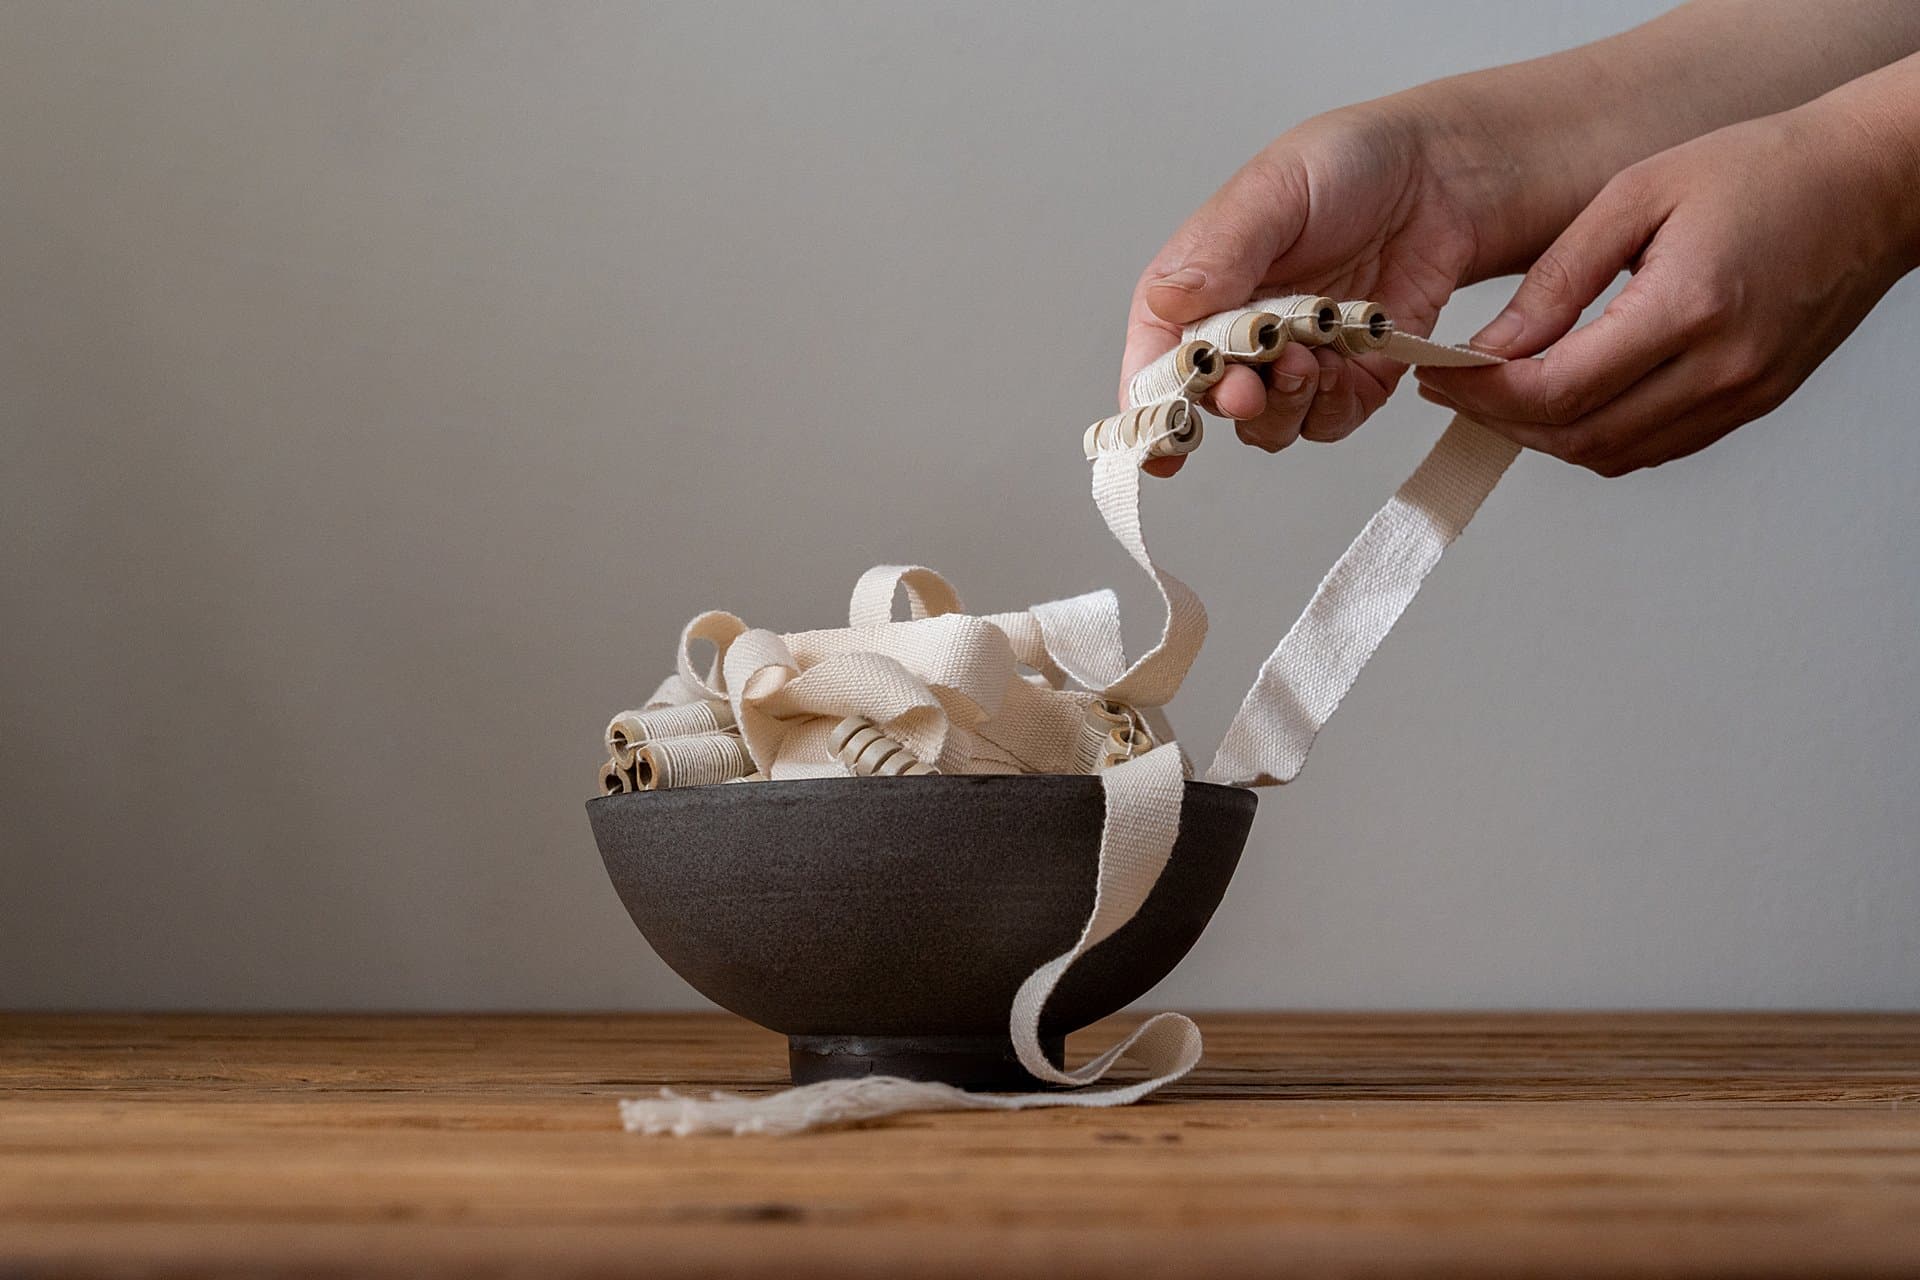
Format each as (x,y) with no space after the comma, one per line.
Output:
(1883,108)
(1527,146)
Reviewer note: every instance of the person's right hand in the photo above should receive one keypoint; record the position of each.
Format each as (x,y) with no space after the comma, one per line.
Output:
(1353,204)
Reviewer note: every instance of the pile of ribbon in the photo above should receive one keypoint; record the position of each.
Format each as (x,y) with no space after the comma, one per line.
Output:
(940,692)
(1049,690)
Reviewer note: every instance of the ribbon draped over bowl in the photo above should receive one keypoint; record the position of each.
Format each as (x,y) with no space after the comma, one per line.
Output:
(1049,689)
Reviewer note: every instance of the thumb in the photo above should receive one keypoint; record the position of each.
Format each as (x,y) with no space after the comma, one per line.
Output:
(1602,241)
(1218,257)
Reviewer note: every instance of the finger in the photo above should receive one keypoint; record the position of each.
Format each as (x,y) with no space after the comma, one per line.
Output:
(1287,403)
(1250,432)
(1582,372)
(1291,381)
(1294,372)
(1374,378)
(1525,434)
(1600,243)
(1692,411)
(1336,405)
(1677,397)
(1163,467)
(1683,438)
(1217,257)
(1148,338)
(1240,394)
(1215,260)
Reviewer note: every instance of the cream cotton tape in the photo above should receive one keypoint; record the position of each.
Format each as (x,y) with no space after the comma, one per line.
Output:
(698,760)
(1363,329)
(869,753)
(1307,317)
(1049,689)
(1166,428)
(1113,733)
(1187,370)
(1301,684)
(631,729)
(1251,337)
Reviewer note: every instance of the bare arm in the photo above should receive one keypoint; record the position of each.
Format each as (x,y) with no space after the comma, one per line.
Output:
(1406,198)
(1756,249)
(1551,132)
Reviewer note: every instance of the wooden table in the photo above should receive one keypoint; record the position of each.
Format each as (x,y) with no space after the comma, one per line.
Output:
(1568,1145)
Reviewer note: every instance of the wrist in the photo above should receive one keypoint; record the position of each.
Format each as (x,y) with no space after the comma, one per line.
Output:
(1496,143)
(1880,114)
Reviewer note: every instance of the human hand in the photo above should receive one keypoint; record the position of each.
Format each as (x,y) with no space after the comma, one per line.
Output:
(1755,249)
(1353,205)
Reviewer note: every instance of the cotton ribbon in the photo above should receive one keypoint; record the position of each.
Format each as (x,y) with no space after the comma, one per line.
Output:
(966,694)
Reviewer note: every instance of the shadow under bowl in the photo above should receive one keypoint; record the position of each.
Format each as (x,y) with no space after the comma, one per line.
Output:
(884,924)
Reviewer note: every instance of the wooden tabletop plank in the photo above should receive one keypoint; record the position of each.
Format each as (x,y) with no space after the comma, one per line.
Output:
(1359,1144)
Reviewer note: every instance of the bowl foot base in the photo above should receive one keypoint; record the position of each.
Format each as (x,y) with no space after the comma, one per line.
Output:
(972,1062)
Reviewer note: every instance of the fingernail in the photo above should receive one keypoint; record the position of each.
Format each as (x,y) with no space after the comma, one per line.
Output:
(1329,376)
(1186,278)
(1506,326)
(1288,383)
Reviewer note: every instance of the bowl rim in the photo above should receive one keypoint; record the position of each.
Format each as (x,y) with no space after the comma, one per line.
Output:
(789,786)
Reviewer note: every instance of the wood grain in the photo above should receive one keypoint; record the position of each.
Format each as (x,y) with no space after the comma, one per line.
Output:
(1358,1145)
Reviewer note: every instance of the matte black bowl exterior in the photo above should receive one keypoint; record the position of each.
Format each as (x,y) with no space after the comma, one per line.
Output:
(884,924)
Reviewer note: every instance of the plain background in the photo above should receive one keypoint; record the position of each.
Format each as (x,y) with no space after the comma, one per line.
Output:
(384,385)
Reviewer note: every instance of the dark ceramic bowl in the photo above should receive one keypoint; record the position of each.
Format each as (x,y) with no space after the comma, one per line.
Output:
(884,924)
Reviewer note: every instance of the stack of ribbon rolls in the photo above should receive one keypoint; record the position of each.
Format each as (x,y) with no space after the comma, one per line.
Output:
(662,745)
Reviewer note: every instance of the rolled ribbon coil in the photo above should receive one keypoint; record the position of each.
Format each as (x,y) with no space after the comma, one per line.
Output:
(1307,317)
(614,779)
(871,754)
(1187,370)
(1098,746)
(1112,734)
(1363,328)
(702,760)
(1168,429)
(632,729)
(1141,734)
(1244,337)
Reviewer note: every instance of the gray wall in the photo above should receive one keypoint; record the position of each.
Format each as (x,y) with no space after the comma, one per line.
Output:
(382,386)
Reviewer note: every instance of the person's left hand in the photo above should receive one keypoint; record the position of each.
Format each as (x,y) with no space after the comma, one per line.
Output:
(1756,250)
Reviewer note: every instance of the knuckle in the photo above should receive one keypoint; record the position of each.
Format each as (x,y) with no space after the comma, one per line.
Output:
(1630,188)
(1294,400)
(1753,400)
(1552,276)
(1556,277)
(1262,435)
(1699,308)
(1562,401)
(1250,434)
(1326,428)
(1333,417)
(1747,370)
(1768,392)
(1581,448)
